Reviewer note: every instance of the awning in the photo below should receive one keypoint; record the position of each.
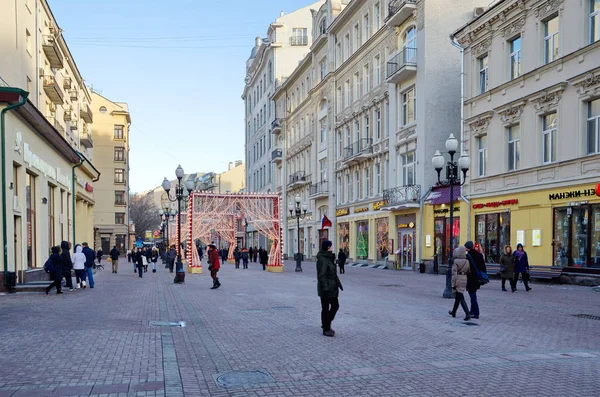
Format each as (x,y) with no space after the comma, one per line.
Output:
(441,195)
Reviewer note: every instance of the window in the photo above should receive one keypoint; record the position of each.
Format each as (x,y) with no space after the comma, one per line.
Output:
(299,37)
(356,190)
(323,66)
(377,179)
(339,54)
(549,125)
(339,145)
(377,70)
(356,37)
(593,128)
(482,154)
(347,93)
(119,197)
(323,170)
(270,72)
(366,192)
(339,191)
(410,45)
(119,175)
(493,234)
(340,99)
(377,13)
(348,47)
(366,126)
(119,154)
(594,21)
(30,204)
(366,27)
(119,218)
(483,74)
(551,40)
(119,132)
(378,123)
(51,217)
(356,83)
(367,78)
(516,66)
(514,147)
(347,189)
(409,169)
(323,128)
(408,106)
(323,26)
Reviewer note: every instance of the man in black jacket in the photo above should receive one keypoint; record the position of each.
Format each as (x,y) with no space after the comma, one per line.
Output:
(90,257)
(476,260)
(114,258)
(67,264)
(328,286)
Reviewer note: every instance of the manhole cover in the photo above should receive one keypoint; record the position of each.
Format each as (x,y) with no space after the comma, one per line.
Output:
(587,316)
(391,285)
(282,307)
(251,311)
(167,323)
(235,379)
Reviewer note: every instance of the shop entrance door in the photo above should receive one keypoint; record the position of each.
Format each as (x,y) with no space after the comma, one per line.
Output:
(105,245)
(406,250)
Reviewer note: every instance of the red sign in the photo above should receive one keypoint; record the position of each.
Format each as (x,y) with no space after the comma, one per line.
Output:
(494,204)
(88,188)
(598,190)
(156,234)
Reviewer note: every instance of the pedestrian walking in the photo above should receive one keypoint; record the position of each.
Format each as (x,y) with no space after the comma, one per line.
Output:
(139,259)
(461,268)
(54,266)
(476,260)
(507,268)
(79,266)
(237,255)
(128,256)
(245,257)
(148,256)
(328,286)
(521,267)
(263,257)
(134,260)
(114,258)
(224,254)
(214,265)
(65,246)
(254,255)
(154,259)
(341,261)
(250,254)
(99,254)
(171,255)
(200,252)
(90,256)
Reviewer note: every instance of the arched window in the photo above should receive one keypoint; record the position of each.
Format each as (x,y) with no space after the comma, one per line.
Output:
(410,44)
(323,26)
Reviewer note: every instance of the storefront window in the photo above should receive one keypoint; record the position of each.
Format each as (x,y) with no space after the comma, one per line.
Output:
(442,237)
(344,237)
(595,237)
(383,227)
(493,233)
(30,200)
(362,240)
(120,242)
(577,236)
(561,237)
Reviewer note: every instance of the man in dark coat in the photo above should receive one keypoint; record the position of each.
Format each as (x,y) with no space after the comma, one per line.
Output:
(56,271)
(139,259)
(263,257)
(237,255)
(476,260)
(342,261)
(250,254)
(65,246)
(255,254)
(328,286)
(114,258)
(171,256)
(90,256)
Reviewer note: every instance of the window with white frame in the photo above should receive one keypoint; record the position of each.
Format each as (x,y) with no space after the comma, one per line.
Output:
(356,83)
(357,42)
(378,123)
(367,183)
(483,74)
(481,155)
(377,65)
(366,27)
(516,64)
(348,47)
(386,180)
(339,145)
(340,99)
(549,127)
(323,128)
(377,179)
(377,14)
(356,131)
(339,54)
(514,147)
(551,36)
(347,189)
(594,21)
(323,170)
(408,106)
(348,136)
(323,67)
(367,79)
(339,191)
(366,127)
(410,45)
(593,127)
(347,93)
(357,191)
(409,169)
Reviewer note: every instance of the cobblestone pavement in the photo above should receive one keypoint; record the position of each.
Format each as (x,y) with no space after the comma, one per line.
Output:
(259,335)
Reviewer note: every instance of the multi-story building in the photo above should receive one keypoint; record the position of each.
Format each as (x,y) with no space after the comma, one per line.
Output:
(532,116)
(271,61)
(48,175)
(231,181)
(111,152)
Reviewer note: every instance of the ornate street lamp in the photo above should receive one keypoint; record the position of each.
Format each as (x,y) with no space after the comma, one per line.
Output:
(299,211)
(452,179)
(182,193)
(165,215)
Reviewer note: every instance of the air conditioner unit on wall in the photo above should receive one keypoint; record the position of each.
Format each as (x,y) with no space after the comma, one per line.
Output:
(478,11)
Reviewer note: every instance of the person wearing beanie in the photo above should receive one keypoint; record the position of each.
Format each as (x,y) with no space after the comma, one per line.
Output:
(328,286)
(476,261)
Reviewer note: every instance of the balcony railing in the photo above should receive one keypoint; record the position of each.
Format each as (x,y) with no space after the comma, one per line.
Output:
(50,47)
(321,188)
(86,138)
(299,176)
(54,92)
(406,57)
(277,155)
(86,113)
(276,126)
(362,146)
(402,195)
(399,11)
(298,40)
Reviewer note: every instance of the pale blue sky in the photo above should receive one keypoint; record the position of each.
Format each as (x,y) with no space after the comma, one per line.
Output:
(180,65)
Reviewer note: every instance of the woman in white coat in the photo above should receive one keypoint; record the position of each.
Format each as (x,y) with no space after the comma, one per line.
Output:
(79,266)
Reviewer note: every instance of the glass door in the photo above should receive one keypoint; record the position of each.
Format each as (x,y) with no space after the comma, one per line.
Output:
(406,250)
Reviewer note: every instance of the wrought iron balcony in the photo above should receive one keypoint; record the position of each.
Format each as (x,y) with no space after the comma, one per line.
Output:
(50,47)
(297,178)
(402,195)
(67,83)
(359,150)
(276,126)
(277,156)
(86,113)
(86,138)
(320,189)
(402,65)
(54,92)
(399,11)
(298,40)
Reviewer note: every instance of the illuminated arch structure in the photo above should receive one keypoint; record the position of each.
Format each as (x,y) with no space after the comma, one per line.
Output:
(212,215)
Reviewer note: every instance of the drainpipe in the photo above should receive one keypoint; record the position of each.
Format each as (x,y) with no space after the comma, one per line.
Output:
(73,193)
(462,121)
(23,100)
(421,205)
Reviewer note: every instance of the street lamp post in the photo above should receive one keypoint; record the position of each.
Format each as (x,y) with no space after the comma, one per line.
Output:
(452,179)
(165,217)
(298,211)
(182,193)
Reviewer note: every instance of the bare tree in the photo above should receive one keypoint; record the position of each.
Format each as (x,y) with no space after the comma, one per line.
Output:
(143,213)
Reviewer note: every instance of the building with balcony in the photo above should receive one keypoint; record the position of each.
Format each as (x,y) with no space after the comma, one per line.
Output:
(46,205)
(532,116)
(111,151)
(272,60)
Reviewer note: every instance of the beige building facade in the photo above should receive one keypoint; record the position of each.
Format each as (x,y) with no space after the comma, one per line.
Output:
(532,116)
(111,151)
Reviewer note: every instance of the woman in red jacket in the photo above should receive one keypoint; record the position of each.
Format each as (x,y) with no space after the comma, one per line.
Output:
(213,265)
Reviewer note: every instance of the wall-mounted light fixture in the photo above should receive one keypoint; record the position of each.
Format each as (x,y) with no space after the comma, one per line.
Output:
(44,200)
(11,186)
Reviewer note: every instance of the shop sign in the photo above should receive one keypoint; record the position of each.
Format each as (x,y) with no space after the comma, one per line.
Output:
(495,204)
(377,205)
(574,194)
(409,225)
(33,160)
(445,210)
(342,212)
(361,209)
(87,186)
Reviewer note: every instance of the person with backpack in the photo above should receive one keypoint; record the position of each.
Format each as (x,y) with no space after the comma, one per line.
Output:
(90,255)
(54,267)
(79,266)
(477,263)
(114,258)
(65,246)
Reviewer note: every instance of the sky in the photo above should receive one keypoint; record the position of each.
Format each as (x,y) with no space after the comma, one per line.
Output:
(180,65)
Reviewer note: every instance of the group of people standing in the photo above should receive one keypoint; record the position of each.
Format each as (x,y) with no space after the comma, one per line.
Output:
(143,256)
(244,255)
(60,264)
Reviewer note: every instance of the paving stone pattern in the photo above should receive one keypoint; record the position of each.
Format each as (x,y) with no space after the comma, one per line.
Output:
(259,335)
